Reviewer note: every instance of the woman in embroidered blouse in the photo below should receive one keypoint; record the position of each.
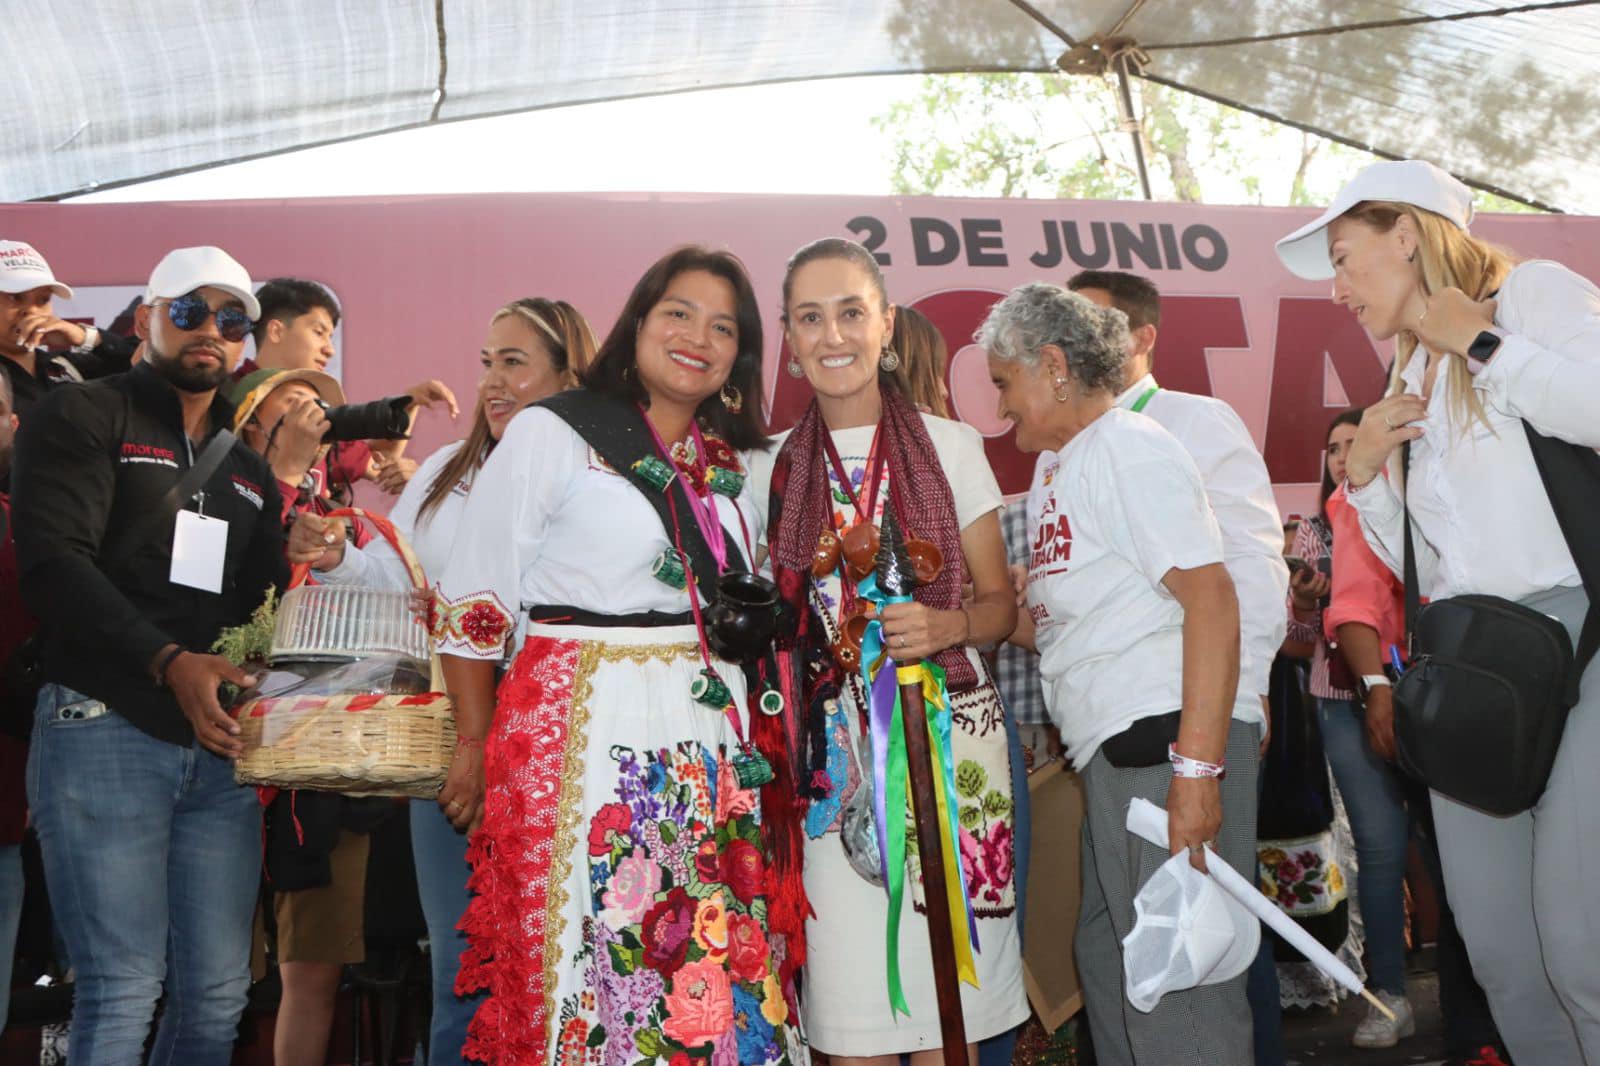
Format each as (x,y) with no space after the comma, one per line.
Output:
(1483,343)
(626,903)
(838,322)
(534,349)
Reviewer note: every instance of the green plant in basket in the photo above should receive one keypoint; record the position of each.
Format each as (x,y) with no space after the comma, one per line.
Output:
(247,646)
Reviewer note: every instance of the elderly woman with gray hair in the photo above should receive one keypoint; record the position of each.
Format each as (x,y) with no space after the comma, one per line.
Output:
(1138,632)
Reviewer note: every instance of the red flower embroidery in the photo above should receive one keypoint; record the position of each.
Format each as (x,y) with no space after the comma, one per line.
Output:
(707,865)
(747,949)
(612,818)
(485,625)
(666,931)
(743,870)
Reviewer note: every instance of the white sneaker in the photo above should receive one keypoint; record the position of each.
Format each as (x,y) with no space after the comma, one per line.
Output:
(1376,1031)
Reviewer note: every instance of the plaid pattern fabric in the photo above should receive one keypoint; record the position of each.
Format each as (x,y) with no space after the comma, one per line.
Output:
(1016,670)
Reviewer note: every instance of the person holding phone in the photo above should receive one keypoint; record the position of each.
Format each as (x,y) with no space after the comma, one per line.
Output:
(1348,707)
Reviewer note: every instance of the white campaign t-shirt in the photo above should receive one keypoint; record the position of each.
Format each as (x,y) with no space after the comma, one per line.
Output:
(1108,516)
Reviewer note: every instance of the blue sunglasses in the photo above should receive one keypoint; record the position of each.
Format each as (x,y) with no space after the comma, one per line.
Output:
(190,312)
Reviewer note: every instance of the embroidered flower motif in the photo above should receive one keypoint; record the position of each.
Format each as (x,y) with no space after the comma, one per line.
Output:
(711,926)
(666,932)
(774,1008)
(573,1041)
(752,1031)
(633,888)
(707,863)
(747,949)
(485,626)
(743,870)
(700,1005)
(612,818)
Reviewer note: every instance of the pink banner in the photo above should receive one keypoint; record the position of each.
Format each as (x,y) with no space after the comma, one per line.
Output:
(418,278)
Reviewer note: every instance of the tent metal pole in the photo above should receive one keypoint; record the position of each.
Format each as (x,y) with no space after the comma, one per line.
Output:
(1130,122)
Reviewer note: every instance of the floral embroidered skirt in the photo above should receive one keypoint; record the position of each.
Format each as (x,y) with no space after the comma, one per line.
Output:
(846,976)
(618,918)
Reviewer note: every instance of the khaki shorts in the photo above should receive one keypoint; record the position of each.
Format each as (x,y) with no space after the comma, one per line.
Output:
(325,924)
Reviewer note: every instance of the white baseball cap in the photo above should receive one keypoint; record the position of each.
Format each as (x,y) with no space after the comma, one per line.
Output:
(1407,181)
(187,269)
(23,269)
(1187,932)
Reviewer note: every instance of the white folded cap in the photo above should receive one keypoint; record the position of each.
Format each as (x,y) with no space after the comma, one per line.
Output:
(1187,932)
(23,269)
(187,269)
(1407,181)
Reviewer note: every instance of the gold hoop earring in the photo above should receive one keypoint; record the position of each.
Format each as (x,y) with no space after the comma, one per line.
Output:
(1060,389)
(732,398)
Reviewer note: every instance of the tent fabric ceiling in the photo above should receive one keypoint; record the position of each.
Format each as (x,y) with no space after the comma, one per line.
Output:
(104,92)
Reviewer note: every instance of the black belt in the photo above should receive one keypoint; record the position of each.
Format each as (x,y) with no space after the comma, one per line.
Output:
(555,615)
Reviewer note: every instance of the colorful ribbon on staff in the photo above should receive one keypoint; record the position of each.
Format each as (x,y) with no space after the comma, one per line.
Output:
(890,778)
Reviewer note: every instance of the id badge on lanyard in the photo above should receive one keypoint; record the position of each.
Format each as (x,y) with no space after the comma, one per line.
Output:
(199,545)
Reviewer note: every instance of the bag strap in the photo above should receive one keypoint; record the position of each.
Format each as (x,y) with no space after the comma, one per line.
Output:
(172,501)
(1571,476)
(1408,554)
(616,430)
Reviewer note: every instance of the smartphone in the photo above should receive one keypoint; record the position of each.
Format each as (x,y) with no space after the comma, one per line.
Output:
(1325,566)
(1296,564)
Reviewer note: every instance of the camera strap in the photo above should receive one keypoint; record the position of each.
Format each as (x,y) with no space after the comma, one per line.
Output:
(172,501)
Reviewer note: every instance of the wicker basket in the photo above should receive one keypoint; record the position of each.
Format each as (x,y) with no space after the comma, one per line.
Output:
(361,742)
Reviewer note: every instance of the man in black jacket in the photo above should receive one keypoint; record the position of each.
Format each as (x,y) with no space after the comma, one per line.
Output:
(133,566)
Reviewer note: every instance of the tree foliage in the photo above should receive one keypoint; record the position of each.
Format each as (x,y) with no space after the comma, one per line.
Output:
(1057,136)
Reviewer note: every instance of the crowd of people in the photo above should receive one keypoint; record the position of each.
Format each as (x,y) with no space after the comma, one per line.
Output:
(663,838)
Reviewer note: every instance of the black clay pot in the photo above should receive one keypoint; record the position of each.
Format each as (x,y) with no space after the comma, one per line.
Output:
(741,623)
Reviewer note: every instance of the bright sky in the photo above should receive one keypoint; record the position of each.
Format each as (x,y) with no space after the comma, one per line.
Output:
(760,139)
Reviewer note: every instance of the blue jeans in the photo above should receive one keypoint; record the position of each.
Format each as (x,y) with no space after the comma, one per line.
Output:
(440,854)
(1375,802)
(10,914)
(997,1050)
(152,856)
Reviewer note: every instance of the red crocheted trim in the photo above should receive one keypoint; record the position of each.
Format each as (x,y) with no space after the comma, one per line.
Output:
(533,775)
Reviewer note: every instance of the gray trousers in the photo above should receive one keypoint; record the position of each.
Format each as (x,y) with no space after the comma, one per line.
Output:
(1205,1026)
(1526,889)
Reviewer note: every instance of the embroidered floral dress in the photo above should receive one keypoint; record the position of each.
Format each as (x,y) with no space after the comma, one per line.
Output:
(619,917)
(846,1002)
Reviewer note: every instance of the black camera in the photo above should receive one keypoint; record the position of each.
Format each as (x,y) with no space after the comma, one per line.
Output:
(385,419)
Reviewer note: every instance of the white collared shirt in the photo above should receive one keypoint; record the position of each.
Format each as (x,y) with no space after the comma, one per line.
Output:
(1239,490)
(1481,521)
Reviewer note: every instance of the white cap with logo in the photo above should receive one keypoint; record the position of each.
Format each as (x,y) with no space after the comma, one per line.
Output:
(23,269)
(1407,181)
(187,269)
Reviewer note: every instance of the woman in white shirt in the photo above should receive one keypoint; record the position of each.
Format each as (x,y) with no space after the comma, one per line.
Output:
(1137,625)
(1482,343)
(861,446)
(534,349)
(630,899)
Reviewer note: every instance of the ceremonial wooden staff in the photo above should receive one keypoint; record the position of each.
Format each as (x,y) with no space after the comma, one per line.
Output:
(897,577)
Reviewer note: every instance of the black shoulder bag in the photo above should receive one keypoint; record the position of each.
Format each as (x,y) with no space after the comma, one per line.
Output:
(1480,711)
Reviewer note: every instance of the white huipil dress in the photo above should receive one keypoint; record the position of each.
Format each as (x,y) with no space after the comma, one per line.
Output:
(846,1000)
(619,915)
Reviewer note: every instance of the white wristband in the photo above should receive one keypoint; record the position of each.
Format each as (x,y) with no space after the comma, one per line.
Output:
(1183,766)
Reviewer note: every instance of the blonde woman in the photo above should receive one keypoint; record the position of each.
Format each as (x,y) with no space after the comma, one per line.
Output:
(1483,342)
(534,349)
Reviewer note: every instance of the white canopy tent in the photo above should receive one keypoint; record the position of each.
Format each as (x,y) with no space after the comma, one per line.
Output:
(106,92)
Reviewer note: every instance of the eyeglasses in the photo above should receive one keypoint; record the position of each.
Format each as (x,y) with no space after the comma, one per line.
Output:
(190,312)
